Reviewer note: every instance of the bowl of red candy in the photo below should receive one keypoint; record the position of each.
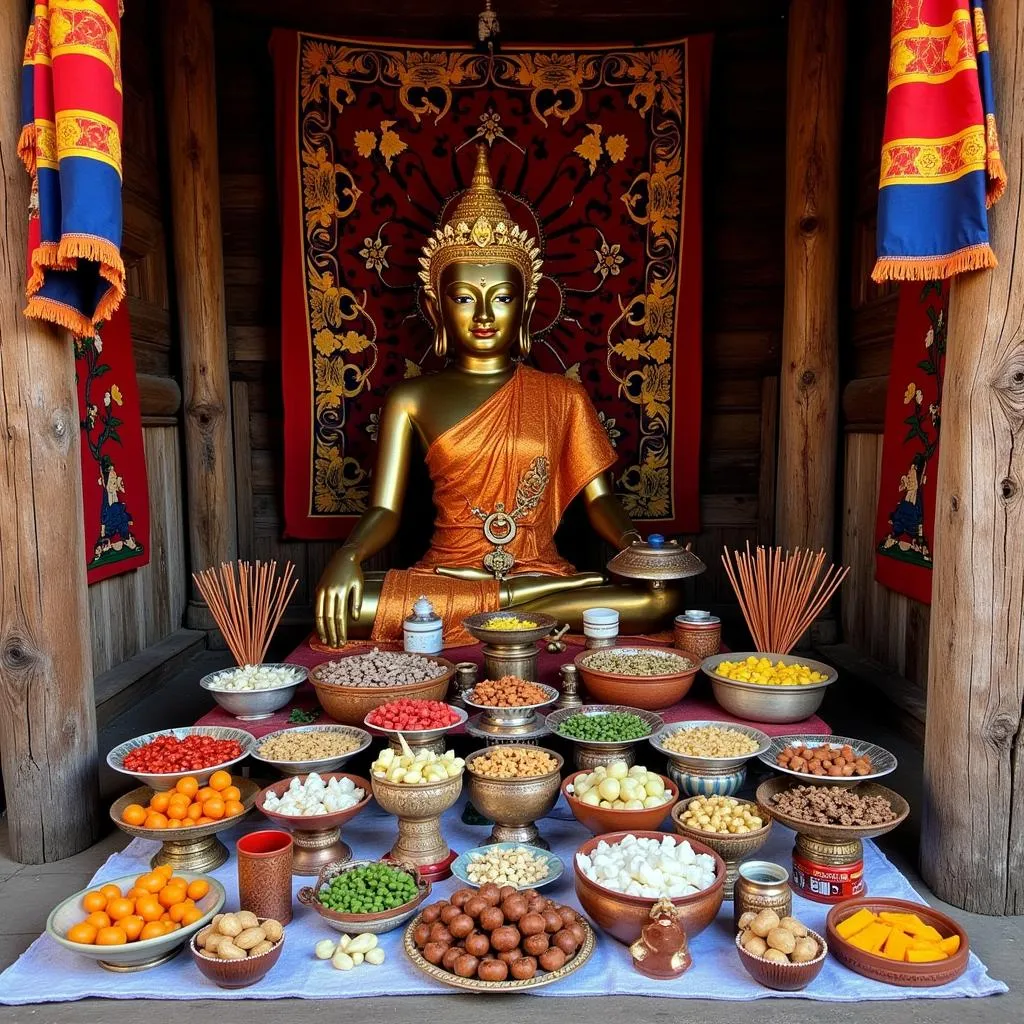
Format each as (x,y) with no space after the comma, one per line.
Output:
(422,723)
(160,759)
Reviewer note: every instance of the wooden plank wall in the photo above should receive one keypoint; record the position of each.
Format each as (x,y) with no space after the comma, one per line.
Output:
(136,609)
(888,627)
(743,266)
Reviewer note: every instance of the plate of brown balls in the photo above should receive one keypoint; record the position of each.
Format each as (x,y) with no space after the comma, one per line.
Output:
(828,760)
(495,939)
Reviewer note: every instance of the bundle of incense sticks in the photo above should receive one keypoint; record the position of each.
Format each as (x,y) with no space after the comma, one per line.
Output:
(247,602)
(781,593)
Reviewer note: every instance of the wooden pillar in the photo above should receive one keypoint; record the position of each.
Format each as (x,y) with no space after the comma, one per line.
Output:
(809,380)
(47,711)
(972,840)
(191,105)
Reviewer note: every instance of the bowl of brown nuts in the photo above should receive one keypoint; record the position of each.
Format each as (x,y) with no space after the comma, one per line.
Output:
(780,953)
(237,950)
(828,760)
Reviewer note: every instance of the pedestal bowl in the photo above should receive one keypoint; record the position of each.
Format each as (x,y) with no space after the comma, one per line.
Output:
(609,819)
(419,809)
(590,753)
(317,837)
(652,693)
(758,702)
(419,739)
(360,737)
(514,805)
(191,848)
(731,847)
(708,776)
(510,652)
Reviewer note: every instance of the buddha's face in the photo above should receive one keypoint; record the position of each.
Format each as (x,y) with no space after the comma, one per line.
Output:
(481,306)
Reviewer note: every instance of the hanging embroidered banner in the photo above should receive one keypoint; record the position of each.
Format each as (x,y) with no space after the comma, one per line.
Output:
(597,152)
(910,445)
(115,493)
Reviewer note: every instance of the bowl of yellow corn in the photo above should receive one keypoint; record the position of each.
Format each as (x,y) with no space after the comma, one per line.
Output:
(762,687)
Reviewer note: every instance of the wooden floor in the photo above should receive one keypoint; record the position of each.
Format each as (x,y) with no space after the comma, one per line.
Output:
(28,892)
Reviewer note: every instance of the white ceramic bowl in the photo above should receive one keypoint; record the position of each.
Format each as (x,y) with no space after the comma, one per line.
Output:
(253,705)
(162,781)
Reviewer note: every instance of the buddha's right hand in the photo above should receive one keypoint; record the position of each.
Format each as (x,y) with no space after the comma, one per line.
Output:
(338,594)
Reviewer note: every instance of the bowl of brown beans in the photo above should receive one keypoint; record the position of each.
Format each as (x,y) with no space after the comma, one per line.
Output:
(650,678)
(509,700)
(349,688)
(310,748)
(828,760)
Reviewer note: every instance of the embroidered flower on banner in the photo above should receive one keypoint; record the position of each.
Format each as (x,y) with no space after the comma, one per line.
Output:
(609,259)
(908,395)
(608,422)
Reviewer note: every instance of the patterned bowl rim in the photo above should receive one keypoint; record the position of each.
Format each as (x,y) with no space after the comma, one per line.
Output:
(361,734)
(555,865)
(697,762)
(116,755)
(367,691)
(651,718)
(570,798)
(720,837)
(580,661)
(420,734)
(308,894)
(879,757)
(822,952)
(314,822)
(207,681)
(553,695)
(250,791)
(474,624)
(709,668)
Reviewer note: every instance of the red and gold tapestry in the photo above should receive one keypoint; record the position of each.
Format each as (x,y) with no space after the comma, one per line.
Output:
(910,445)
(115,493)
(597,152)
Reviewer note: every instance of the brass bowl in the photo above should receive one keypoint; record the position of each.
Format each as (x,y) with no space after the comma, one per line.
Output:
(591,753)
(317,837)
(651,693)
(758,702)
(319,764)
(351,704)
(832,833)
(515,804)
(509,637)
(608,819)
(192,848)
(731,847)
(523,714)
(624,917)
(419,810)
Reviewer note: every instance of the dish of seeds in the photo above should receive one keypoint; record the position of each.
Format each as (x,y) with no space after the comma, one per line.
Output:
(638,662)
(710,741)
(306,746)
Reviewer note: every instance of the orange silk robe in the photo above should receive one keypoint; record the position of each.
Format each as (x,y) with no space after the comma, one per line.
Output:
(485,459)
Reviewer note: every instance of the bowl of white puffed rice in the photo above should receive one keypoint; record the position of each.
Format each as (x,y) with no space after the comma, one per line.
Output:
(253,692)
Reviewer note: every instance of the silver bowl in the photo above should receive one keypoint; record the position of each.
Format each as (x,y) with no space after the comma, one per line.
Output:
(695,765)
(166,780)
(881,760)
(253,705)
(758,702)
(418,739)
(320,764)
(591,753)
(508,717)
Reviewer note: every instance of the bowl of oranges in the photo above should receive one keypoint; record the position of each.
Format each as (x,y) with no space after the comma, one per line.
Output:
(187,818)
(137,921)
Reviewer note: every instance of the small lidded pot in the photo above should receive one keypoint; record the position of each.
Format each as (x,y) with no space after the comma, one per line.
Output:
(600,627)
(698,633)
(421,631)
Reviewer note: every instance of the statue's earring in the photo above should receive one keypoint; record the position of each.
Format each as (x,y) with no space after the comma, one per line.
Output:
(441,343)
(525,342)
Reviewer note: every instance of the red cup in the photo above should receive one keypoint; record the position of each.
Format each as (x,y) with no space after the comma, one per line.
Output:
(265,874)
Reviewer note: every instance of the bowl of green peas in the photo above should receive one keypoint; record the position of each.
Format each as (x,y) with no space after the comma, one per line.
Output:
(602,733)
(359,896)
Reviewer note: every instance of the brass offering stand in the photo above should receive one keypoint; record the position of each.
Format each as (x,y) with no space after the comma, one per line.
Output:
(510,652)
(588,754)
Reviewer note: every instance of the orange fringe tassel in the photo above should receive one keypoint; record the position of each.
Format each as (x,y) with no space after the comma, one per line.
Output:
(59,313)
(996,170)
(27,147)
(936,268)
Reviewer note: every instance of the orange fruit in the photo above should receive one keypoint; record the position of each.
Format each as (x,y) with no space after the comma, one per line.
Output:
(204,794)
(159,802)
(172,926)
(155,820)
(178,880)
(174,823)
(194,812)
(231,793)
(83,932)
(191,915)
(176,810)
(233,807)
(152,930)
(132,925)
(111,937)
(204,820)
(169,895)
(165,870)
(120,907)
(214,808)
(94,901)
(134,814)
(220,780)
(111,891)
(179,910)
(98,919)
(135,892)
(153,882)
(165,917)
(148,908)
(198,889)
(188,786)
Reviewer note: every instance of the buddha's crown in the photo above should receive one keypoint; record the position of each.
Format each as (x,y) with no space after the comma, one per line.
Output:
(480,230)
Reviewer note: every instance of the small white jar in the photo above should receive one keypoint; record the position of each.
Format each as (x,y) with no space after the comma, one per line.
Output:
(600,627)
(421,631)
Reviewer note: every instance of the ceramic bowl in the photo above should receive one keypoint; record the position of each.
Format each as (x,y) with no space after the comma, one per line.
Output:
(236,973)
(651,693)
(893,972)
(608,819)
(784,977)
(624,917)
(697,765)
(351,704)
(253,705)
(460,865)
(882,761)
(161,781)
(132,956)
(757,702)
(356,924)
(314,822)
(319,764)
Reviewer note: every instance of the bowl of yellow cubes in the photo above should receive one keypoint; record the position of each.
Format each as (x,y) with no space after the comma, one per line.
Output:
(763,687)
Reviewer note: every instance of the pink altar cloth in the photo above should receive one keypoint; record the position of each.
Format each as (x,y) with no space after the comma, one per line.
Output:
(697,705)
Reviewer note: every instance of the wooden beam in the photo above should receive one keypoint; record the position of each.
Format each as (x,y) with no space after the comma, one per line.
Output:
(864,405)
(972,838)
(809,383)
(158,396)
(767,461)
(47,715)
(190,91)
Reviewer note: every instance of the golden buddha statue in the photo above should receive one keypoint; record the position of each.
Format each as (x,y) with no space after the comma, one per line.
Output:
(507,449)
